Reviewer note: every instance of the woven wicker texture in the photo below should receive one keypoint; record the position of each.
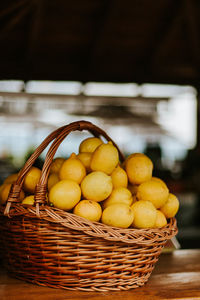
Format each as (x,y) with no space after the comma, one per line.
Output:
(55,248)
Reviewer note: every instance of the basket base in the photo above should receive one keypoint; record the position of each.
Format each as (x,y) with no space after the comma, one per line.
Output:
(87,285)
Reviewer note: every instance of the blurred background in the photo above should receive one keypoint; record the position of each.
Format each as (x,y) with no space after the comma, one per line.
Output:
(132,68)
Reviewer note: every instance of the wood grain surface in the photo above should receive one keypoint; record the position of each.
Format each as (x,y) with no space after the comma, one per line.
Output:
(176,276)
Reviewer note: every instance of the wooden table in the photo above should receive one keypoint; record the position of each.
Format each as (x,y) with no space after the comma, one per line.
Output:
(176,276)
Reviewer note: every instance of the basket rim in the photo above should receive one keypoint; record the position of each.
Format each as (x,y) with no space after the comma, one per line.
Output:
(95,229)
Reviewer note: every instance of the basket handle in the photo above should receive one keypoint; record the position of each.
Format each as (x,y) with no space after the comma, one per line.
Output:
(41,188)
(17,185)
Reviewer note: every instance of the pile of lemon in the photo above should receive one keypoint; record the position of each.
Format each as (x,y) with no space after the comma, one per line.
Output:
(94,185)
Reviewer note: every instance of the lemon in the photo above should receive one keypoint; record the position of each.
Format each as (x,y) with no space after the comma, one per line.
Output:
(65,194)
(29,200)
(170,208)
(5,189)
(31,179)
(56,165)
(119,177)
(11,178)
(105,158)
(161,220)
(118,215)
(85,158)
(159,180)
(138,168)
(88,209)
(144,214)
(96,186)
(72,169)
(52,180)
(90,144)
(119,195)
(153,191)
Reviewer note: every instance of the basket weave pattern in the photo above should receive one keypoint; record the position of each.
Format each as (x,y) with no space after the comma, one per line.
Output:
(51,247)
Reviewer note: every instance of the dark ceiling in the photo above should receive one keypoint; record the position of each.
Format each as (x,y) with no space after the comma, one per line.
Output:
(101,40)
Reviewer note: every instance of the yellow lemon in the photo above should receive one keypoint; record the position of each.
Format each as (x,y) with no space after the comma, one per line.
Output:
(65,194)
(119,177)
(11,178)
(153,191)
(96,186)
(5,189)
(119,195)
(88,209)
(105,158)
(29,200)
(52,180)
(90,144)
(138,168)
(144,214)
(159,180)
(85,158)
(170,208)
(31,179)
(72,169)
(56,164)
(118,215)
(161,220)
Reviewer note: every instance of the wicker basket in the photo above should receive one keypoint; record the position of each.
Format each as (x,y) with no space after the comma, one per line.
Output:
(51,247)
